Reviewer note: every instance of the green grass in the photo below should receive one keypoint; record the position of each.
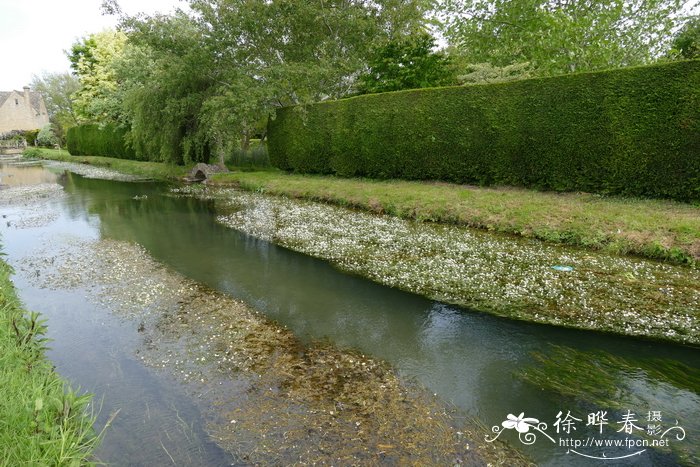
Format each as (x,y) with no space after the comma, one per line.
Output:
(42,421)
(657,229)
(154,170)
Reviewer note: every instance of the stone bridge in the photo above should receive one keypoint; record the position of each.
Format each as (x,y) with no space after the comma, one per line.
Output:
(201,172)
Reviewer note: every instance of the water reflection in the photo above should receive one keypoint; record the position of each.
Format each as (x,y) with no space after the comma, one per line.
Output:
(28,174)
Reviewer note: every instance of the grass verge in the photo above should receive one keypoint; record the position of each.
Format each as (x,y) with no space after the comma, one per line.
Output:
(656,229)
(42,422)
(154,170)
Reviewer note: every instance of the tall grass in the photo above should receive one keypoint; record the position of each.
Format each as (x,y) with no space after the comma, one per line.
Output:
(255,157)
(42,421)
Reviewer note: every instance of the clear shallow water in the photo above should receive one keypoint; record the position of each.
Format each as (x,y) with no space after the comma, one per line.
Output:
(470,359)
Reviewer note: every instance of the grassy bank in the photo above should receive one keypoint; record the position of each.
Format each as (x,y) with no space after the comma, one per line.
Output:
(41,421)
(664,230)
(154,170)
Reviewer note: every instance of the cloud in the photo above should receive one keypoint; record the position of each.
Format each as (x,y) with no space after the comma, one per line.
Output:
(35,33)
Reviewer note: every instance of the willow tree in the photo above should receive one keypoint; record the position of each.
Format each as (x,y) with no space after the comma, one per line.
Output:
(194,82)
(283,52)
(165,78)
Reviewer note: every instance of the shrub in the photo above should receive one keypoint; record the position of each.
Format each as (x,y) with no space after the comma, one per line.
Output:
(633,131)
(94,140)
(46,137)
(32,152)
(30,136)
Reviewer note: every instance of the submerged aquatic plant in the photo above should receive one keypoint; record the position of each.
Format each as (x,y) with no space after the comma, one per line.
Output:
(597,380)
(267,396)
(503,275)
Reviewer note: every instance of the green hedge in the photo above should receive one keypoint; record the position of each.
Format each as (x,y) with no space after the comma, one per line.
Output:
(633,131)
(94,140)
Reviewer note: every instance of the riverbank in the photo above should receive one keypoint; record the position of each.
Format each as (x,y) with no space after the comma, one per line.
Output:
(141,169)
(519,278)
(43,421)
(654,229)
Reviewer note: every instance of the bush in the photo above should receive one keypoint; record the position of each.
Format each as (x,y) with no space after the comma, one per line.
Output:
(46,137)
(633,131)
(32,152)
(30,136)
(94,140)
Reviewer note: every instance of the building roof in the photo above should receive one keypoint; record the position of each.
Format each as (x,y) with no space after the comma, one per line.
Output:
(3,97)
(34,98)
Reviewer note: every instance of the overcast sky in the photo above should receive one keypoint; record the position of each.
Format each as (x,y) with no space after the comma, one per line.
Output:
(35,33)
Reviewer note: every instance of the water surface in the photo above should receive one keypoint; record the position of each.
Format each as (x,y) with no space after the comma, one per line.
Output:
(470,359)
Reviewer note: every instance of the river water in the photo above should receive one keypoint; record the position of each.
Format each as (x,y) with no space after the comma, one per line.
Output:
(487,367)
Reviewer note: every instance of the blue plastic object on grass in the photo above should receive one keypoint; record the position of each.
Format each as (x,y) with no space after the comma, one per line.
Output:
(563,268)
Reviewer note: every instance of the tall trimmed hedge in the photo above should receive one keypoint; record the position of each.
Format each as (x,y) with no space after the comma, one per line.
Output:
(93,140)
(633,131)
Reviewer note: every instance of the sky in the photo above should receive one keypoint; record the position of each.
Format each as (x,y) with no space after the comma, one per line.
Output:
(34,34)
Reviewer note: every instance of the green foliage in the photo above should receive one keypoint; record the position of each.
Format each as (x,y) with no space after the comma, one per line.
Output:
(59,91)
(190,83)
(93,140)
(484,73)
(686,43)
(46,137)
(165,74)
(560,37)
(406,63)
(92,60)
(32,152)
(13,135)
(255,156)
(30,136)
(634,131)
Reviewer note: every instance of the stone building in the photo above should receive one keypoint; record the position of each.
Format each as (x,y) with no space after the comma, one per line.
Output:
(22,110)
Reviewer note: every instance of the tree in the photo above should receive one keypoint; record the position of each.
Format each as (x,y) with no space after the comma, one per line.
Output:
(561,36)
(165,78)
(59,90)
(406,63)
(92,61)
(686,43)
(191,84)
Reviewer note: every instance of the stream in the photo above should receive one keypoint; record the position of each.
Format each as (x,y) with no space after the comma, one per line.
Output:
(584,388)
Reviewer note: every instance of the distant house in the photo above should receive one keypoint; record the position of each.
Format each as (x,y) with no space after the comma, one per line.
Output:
(22,110)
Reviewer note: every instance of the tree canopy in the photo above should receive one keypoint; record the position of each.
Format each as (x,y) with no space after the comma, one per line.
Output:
(189,85)
(91,60)
(561,36)
(407,63)
(59,91)
(686,43)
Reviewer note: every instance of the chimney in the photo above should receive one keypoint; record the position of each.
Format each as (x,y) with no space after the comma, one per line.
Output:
(26,95)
